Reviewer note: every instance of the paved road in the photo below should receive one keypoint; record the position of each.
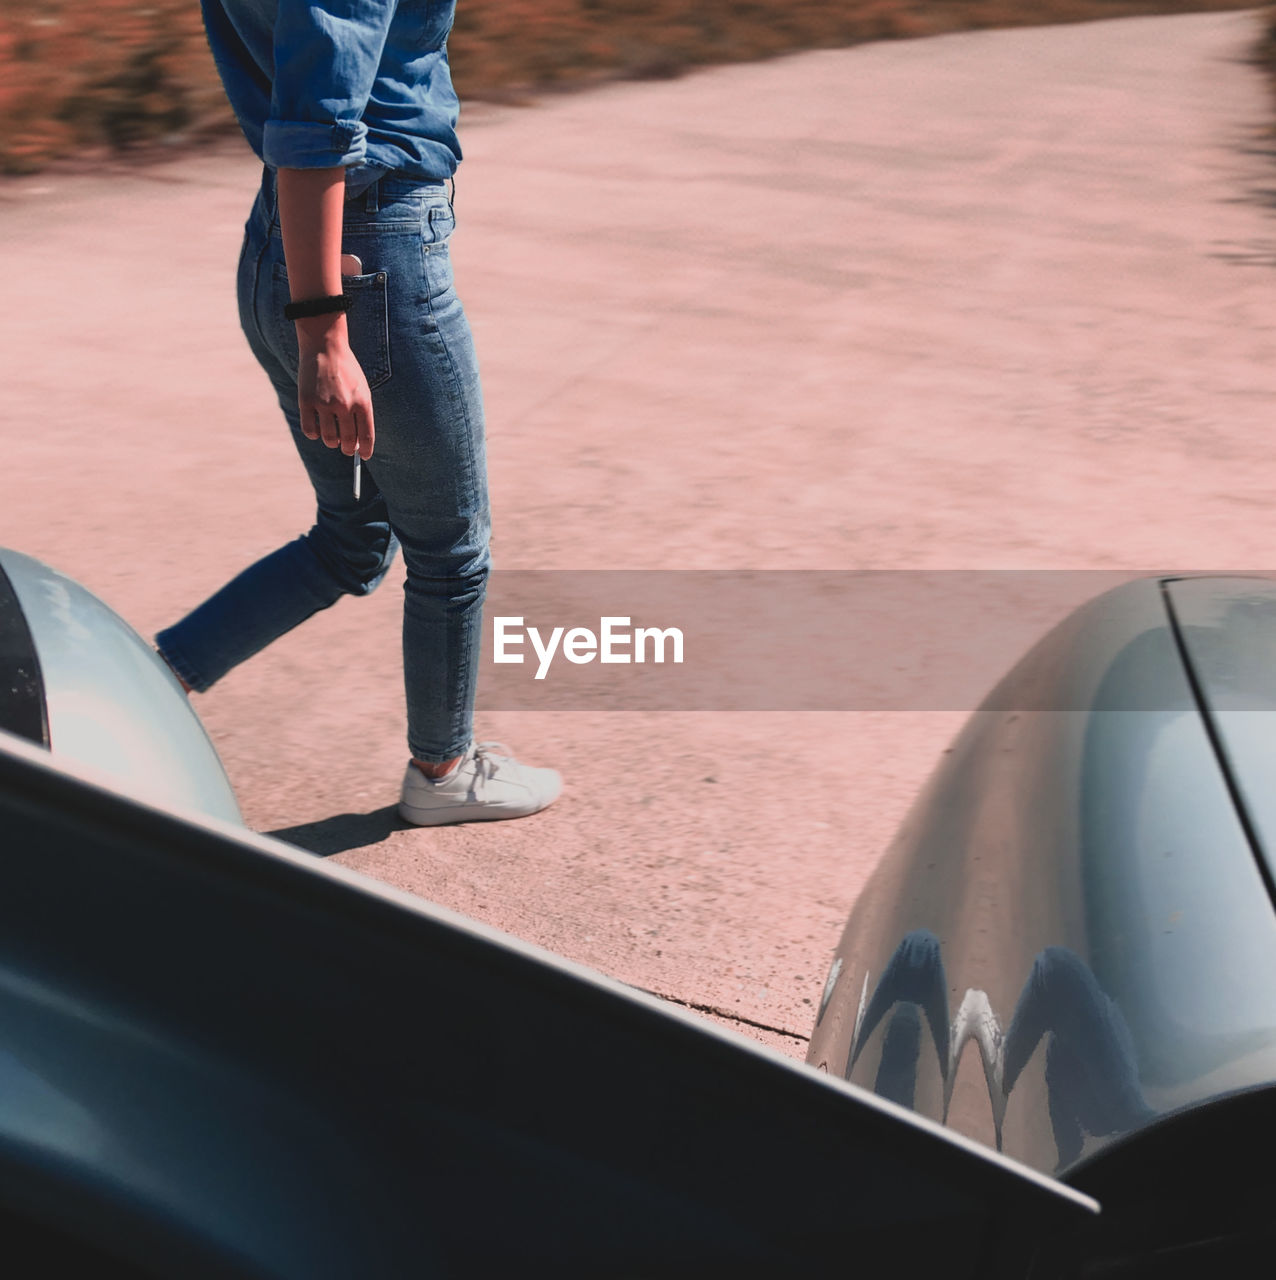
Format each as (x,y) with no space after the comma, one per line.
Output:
(1000,300)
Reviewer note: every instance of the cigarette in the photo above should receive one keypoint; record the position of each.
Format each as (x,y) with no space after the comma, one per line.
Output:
(358,472)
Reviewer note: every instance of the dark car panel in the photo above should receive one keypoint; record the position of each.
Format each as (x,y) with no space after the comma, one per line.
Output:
(219,1056)
(1070,936)
(1189,1195)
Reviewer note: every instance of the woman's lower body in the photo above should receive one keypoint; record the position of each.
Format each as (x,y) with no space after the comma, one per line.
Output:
(423,491)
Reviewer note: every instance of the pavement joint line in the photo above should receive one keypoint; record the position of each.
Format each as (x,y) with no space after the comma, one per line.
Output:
(725,1013)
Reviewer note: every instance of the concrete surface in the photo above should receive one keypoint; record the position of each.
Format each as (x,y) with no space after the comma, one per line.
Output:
(997,300)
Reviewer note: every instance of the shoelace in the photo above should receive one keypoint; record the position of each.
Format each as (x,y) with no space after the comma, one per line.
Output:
(488,760)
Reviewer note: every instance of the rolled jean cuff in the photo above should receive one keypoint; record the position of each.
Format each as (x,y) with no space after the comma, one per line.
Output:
(178,662)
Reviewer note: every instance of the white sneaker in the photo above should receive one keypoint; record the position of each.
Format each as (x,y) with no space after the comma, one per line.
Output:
(484,787)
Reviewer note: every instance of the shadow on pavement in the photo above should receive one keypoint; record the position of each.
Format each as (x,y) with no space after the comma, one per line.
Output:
(341,832)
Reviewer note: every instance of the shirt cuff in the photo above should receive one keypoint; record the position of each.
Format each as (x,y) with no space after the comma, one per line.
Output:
(310,145)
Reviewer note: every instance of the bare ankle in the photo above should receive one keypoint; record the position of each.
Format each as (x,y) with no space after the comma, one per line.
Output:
(173,669)
(437,768)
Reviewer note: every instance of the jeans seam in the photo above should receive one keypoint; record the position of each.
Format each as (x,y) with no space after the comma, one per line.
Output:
(454,377)
(458,399)
(256,299)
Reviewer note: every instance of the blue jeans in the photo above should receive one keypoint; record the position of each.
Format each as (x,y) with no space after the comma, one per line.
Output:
(424,489)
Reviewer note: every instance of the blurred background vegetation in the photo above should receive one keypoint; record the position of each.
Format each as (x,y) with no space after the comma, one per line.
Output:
(92,77)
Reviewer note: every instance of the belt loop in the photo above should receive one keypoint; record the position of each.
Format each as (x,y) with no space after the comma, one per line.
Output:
(370,202)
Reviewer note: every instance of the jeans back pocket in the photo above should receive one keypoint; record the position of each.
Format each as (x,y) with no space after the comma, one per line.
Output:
(367,321)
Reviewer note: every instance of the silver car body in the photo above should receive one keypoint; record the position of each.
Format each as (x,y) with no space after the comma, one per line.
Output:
(110,702)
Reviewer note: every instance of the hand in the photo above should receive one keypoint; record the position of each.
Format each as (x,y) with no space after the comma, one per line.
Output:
(332,390)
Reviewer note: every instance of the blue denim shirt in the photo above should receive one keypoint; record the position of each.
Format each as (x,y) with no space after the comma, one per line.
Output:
(359,83)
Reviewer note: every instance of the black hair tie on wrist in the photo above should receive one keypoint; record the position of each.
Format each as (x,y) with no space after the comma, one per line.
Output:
(318,306)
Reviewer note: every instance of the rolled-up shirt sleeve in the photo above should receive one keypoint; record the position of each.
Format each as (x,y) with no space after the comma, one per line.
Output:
(326,60)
